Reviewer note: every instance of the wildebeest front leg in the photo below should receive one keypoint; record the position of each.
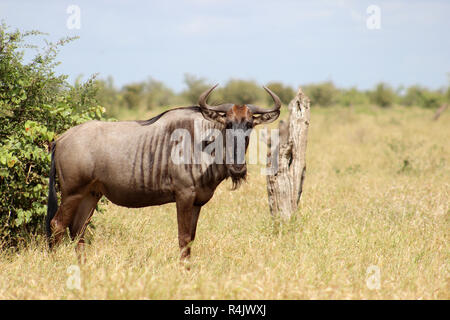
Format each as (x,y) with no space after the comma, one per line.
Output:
(186,214)
(194,220)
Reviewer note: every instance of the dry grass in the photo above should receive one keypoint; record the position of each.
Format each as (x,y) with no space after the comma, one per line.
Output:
(377,193)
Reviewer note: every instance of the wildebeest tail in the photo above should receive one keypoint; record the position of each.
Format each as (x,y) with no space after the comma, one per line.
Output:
(52,203)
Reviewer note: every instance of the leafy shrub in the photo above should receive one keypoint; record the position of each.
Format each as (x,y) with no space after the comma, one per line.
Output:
(242,92)
(322,94)
(136,97)
(383,95)
(195,87)
(35,106)
(447,95)
(108,96)
(133,95)
(284,92)
(158,94)
(352,96)
(418,96)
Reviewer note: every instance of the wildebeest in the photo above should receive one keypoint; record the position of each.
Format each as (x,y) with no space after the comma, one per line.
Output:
(130,162)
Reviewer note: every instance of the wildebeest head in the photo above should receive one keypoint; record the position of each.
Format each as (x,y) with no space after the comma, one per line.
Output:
(238,120)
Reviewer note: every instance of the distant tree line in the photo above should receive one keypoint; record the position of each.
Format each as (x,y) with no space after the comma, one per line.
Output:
(150,94)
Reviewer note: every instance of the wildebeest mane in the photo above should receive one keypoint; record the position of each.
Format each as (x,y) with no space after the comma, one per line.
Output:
(156,118)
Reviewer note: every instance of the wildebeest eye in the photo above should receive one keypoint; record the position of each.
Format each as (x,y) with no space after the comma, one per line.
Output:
(249,125)
(229,124)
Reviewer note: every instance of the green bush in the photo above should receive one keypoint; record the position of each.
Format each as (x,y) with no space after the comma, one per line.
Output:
(108,96)
(418,96)
(136,97)
(133,95)
(322,94)
(35,106)
(158,94)
(447,95)
(383,95)
(351,97)
(242,92)
(195,87)
(284,92)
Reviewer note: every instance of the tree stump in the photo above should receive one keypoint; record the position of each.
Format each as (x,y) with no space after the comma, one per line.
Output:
(440,111)
(284,187)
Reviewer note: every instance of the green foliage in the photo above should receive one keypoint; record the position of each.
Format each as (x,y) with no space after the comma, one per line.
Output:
(195,87)
(142,96)
(352,96)
(158,94)
(108,96)
(35,106)
(136,97)
(322,94)
(284,92)
(133,95)
(383,95)
(418,96)
(242,92)
(447,95)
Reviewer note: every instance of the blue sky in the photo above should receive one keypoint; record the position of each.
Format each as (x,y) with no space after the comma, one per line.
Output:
(297,42)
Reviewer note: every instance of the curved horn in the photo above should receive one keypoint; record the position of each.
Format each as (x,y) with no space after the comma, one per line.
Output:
(259,110)
(204,96)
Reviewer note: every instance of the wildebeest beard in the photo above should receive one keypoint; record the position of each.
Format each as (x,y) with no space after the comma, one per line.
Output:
(236,154)
(237,178)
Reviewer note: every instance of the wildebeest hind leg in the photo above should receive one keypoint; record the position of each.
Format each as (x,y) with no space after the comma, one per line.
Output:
(81,219)
(64,217)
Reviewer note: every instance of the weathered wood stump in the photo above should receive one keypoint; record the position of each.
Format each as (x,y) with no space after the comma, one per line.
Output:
(440,111)
(284,187)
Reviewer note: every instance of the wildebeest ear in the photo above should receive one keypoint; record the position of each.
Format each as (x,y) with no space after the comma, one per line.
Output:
(211,115)
(266,117)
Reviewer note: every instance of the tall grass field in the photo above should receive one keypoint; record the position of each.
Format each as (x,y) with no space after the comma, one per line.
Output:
(373,223)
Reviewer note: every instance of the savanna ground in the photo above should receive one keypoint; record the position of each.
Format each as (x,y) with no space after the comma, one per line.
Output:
(376,194)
